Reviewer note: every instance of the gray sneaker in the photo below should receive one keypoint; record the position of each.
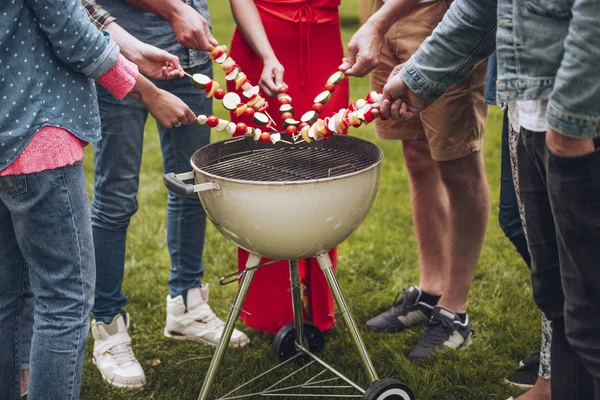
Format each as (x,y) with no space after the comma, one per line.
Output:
(445,330)
(405,313)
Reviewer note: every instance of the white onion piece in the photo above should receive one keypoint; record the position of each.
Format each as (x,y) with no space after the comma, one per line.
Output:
(231,128)
(202,119)
(360,103)
(275,137)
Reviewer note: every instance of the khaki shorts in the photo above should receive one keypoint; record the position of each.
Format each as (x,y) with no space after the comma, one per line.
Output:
(453,124)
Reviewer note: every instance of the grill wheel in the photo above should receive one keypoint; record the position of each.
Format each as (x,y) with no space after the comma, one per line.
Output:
(389,389)
(284,346)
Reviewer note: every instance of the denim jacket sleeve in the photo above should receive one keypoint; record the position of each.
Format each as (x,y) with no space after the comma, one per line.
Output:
(574,107)
(466,35)
(74,39)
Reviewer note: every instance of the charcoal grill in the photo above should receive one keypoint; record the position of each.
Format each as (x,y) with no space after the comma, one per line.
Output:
(288,202)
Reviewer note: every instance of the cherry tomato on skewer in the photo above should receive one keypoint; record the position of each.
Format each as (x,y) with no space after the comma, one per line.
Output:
(291,130)
(330,86)
(212,121)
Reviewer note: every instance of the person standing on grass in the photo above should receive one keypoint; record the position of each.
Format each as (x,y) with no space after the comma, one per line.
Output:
(182,28)
(443,157)
(535,370)
(555,45)
(51,55)
(151,62)
(275,40)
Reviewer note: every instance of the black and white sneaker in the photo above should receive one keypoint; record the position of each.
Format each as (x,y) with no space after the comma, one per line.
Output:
(405,313)
(445,330)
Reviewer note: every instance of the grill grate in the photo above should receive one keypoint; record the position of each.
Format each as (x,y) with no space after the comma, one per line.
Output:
(294,163)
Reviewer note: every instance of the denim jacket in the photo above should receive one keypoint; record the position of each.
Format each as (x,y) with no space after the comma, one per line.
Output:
(49,53)
(156,30)
(546,49)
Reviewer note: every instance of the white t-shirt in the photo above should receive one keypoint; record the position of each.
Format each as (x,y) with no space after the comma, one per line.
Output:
(532,115)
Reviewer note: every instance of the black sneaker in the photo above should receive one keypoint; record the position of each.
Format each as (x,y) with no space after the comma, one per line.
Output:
(444,330)
(405,313)
(531,360)
(524,377)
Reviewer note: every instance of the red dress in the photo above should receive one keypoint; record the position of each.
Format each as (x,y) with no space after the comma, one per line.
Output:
(306,38)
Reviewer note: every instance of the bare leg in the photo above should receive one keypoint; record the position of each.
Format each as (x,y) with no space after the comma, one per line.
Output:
(430,215)
(469,196)
(24,381)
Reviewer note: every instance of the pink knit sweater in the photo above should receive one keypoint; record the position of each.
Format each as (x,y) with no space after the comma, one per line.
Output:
(53,147)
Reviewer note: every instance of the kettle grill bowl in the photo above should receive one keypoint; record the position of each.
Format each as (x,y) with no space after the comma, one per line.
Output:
(289,219)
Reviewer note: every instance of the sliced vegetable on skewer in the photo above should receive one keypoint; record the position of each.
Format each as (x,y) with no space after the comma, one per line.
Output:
(253,91)
(286,108)
(227,64)
(231,127)
(218,52)
(304,133)
(241,109)
(374,97)
(233,73)
(200,80)
(290,122)
(240,80)
(222,125)
(275,137)
(260,119)
(323,97)
(284,98)
(336,78)
(231,101)
(214,86)
(310,117)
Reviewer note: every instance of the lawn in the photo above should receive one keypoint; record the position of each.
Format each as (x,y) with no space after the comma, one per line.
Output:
(376,262)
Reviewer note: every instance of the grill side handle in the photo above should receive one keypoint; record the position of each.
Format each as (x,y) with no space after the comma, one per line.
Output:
(175,183)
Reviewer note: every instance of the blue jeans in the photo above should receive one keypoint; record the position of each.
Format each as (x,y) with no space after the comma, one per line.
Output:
(45,233)
(26,324)
(117,159)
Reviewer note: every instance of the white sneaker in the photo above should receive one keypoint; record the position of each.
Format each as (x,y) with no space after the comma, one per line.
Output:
(198,322)
(113,355)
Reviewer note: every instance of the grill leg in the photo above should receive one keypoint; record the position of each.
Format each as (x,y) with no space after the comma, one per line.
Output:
(229,326)
(296,286)
(327,268)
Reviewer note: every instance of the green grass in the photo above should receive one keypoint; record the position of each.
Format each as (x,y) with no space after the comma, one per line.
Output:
(375,262)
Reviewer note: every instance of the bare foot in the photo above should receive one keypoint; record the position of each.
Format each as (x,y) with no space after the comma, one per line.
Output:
(539,391)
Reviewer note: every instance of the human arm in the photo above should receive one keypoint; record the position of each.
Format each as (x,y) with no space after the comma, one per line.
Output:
(365,46)
(250,25)
(166,108)
(573,103)
(466,35)
(74,39)
(191,29)
(153,62)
